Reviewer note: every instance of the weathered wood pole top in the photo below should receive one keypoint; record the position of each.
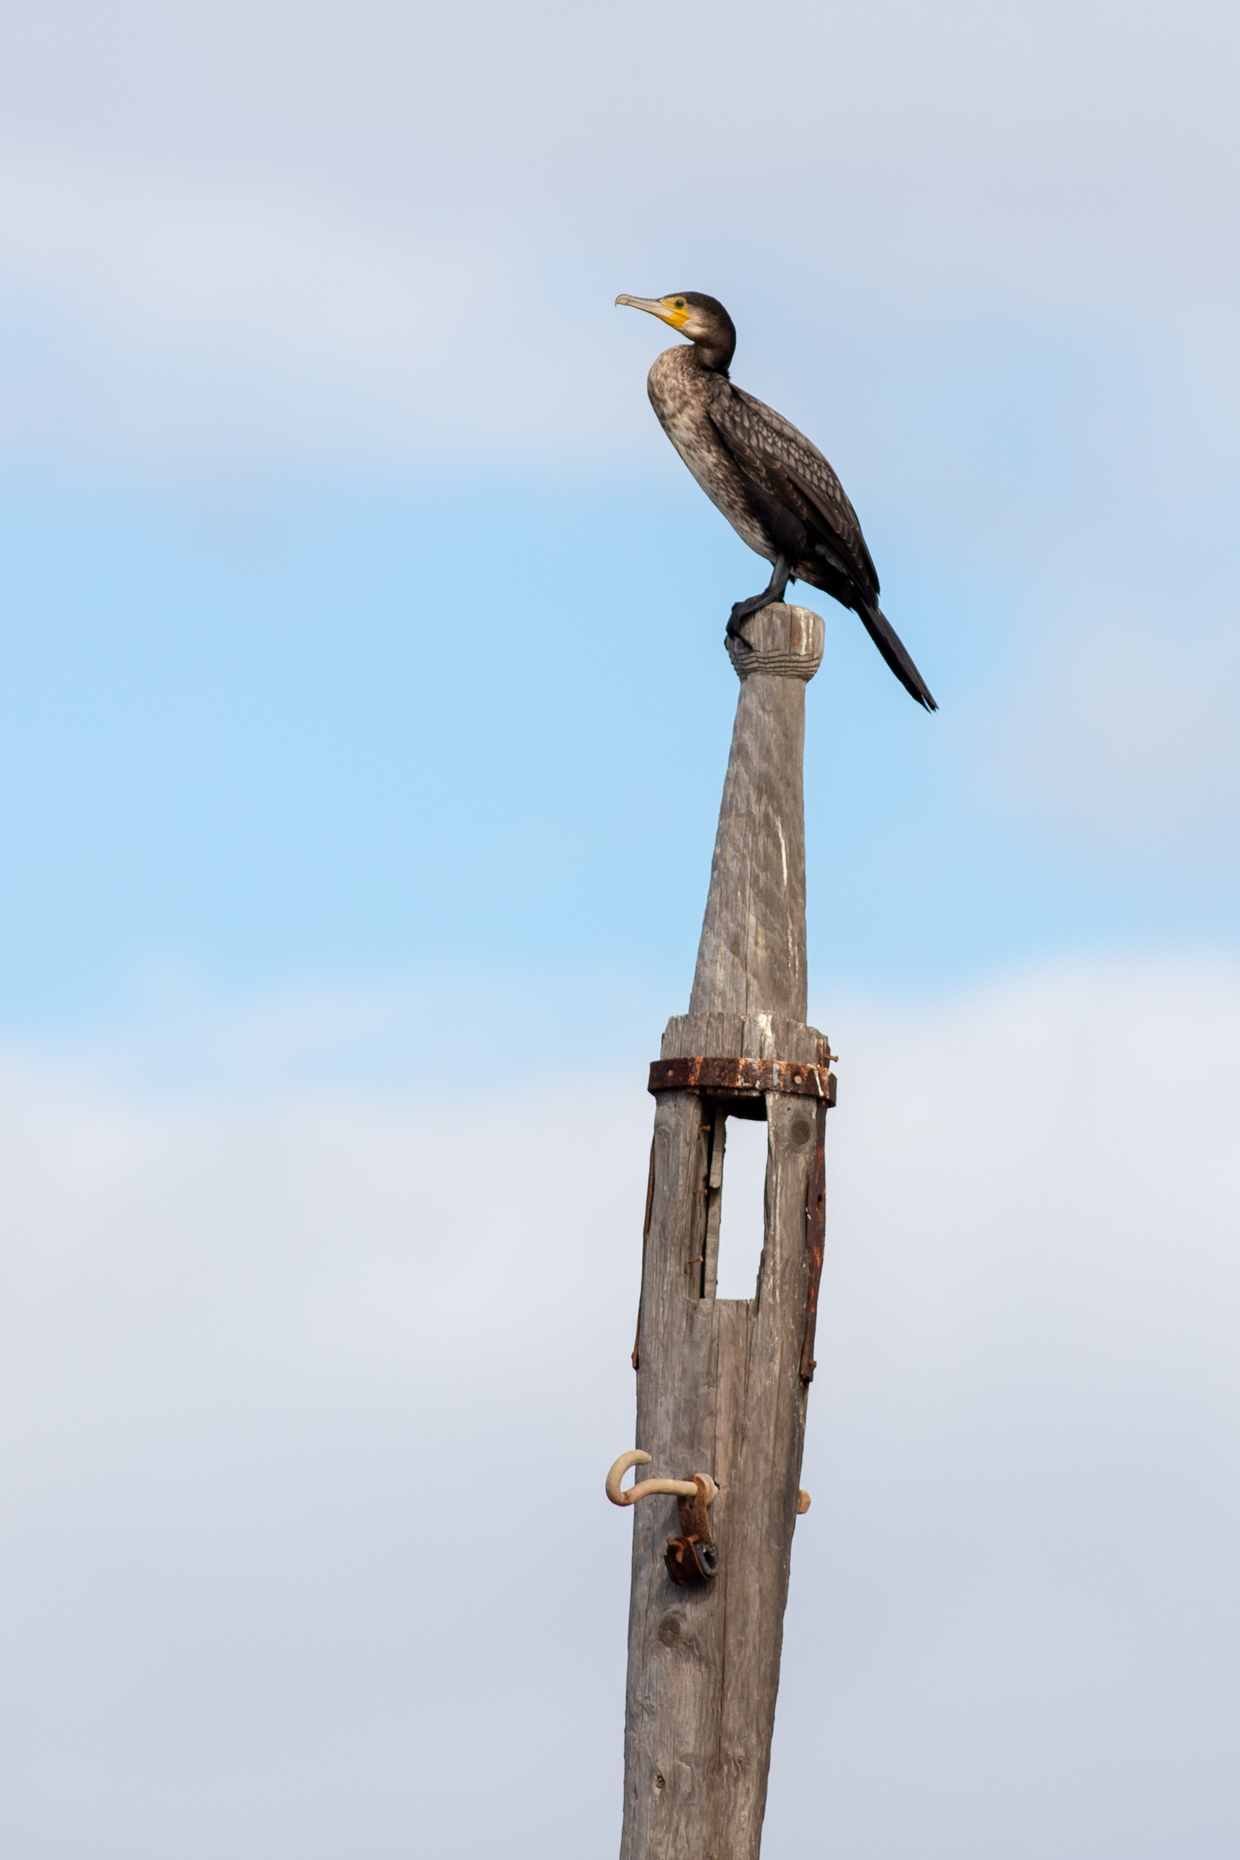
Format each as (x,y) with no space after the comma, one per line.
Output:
(751,959)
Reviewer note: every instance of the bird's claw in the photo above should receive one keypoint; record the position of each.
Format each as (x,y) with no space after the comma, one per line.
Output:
(736,623)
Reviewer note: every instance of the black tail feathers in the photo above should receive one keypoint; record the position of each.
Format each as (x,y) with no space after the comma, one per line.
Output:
(888,641)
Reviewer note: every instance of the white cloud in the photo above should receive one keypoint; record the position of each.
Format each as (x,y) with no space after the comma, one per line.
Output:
(234,214)
(284,300)
(263,1353)
(164,252)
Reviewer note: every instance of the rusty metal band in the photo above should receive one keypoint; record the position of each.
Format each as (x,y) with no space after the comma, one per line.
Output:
(711,1074)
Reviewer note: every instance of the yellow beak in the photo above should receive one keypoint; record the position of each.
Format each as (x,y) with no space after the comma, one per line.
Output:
(665,308)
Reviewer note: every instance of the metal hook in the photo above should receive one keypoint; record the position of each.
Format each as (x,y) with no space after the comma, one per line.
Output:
(647,1488)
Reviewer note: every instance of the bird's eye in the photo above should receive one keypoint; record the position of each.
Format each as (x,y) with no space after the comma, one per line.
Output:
(680,303)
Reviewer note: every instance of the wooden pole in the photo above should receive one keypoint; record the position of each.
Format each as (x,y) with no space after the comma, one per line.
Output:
(722,1383)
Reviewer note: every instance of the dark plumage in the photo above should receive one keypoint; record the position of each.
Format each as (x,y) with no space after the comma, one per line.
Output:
(776,489)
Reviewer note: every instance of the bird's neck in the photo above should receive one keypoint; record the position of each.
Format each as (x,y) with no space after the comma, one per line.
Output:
(712,359)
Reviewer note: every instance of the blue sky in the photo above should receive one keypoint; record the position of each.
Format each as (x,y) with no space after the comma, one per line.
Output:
(344,726)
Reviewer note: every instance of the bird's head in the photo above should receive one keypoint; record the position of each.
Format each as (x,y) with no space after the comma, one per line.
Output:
(702,319)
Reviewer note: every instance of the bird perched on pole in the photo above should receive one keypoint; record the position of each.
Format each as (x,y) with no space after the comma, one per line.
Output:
(776,489)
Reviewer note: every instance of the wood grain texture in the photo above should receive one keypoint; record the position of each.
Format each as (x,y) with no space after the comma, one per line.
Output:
(719,1388)
(752,952)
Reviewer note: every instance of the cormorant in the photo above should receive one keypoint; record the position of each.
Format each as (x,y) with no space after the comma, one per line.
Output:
(775,488)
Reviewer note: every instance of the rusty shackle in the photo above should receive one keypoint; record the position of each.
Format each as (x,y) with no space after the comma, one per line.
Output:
(693,1557)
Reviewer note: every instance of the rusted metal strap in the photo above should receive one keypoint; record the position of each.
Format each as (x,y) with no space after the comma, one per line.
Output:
(815,1239)
(711,1074)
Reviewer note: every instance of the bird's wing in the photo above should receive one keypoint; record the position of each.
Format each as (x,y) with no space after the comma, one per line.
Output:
(788,466)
